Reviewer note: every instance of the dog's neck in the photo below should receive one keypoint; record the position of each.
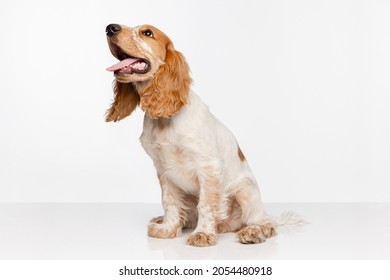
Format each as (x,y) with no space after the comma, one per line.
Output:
(162,123)
(140,86)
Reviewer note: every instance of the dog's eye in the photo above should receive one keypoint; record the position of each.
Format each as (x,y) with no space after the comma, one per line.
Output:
(148,33)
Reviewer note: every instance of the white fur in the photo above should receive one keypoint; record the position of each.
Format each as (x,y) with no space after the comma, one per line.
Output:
(207,149)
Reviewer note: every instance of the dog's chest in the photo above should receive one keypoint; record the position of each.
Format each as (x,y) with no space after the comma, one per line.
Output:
(172,155)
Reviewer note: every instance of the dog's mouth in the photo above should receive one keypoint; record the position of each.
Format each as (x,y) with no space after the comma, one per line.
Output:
(128,64)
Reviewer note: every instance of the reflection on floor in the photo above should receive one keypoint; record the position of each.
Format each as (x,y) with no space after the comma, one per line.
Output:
(118,231)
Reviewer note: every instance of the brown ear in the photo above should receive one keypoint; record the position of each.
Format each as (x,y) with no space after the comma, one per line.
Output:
(126,100)
(168,91)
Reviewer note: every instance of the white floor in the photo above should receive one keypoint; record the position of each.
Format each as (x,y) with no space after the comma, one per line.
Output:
(118,231)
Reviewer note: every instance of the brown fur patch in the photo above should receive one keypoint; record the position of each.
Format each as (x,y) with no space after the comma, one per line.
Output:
(223,228)
(241,154)
(202,239)
(126,100)
(157,220)
(178,153)
(163,123)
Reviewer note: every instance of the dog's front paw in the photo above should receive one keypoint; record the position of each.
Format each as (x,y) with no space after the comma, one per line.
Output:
(256,233)
(158,229)
(202,239)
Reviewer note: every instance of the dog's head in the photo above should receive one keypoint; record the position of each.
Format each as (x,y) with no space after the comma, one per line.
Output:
(150,72)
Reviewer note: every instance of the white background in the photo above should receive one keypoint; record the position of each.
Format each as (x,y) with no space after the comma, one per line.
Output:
(304,86)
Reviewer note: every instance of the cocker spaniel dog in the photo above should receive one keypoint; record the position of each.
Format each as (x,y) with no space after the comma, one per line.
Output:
(205,179)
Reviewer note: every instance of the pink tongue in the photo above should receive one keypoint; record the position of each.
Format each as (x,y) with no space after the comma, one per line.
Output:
(122,64)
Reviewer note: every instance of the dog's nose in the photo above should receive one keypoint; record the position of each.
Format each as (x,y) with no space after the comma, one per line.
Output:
(112,29)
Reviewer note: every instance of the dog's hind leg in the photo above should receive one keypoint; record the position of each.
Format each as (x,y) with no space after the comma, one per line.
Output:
(257,226)
(170,225)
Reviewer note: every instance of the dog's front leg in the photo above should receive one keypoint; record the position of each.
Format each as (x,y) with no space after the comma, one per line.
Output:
(209,208)
(169,225)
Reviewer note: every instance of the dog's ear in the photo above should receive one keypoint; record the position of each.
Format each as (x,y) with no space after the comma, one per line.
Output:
(126,99)
(168,91)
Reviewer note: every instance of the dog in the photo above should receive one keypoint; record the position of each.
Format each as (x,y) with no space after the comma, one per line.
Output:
(205,179)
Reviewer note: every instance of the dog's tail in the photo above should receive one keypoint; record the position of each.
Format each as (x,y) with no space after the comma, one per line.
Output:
(287,218)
